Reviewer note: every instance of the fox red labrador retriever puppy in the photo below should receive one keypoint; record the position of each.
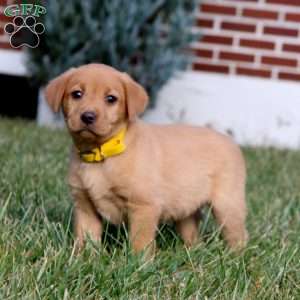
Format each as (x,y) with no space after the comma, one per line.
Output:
(123,169)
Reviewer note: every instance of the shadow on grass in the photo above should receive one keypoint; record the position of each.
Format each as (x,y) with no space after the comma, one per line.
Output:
(57,219)
(166,237)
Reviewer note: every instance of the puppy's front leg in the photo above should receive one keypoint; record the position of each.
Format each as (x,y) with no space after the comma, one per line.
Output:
(143,222)
(86,219)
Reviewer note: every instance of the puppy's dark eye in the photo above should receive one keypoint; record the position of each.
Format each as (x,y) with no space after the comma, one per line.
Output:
(111,99)
(76,94)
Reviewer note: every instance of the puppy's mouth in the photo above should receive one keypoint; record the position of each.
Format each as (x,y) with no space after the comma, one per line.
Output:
(87,133)
(91,133)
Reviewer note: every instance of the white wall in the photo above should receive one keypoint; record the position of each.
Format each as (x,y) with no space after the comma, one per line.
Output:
(257,111)
(12,62)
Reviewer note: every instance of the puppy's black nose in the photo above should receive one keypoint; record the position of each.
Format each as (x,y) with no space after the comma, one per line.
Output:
(88,117)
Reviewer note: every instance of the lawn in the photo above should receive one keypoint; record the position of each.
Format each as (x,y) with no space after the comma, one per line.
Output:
(37,259)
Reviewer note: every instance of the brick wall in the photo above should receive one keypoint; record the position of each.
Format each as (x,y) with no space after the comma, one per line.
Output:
(245,37)
(249,37)
(4,44)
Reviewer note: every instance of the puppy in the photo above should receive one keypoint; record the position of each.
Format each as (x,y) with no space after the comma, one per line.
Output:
(123,169)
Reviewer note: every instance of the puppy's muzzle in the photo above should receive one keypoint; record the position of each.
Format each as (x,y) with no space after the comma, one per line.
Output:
(88,117)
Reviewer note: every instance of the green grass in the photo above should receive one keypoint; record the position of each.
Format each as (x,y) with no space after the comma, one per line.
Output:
(37,258)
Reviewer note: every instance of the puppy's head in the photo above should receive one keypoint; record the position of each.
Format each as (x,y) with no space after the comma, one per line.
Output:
(96,99)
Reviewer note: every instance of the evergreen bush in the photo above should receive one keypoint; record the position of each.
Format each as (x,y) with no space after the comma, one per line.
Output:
(146,38)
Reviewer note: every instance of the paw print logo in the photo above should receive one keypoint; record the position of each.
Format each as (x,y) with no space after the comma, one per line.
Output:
(24,32)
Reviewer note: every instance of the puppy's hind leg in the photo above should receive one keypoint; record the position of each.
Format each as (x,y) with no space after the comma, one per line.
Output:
(187,228)
(229,209)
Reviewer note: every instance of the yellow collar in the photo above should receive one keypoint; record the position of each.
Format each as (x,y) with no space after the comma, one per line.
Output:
(112,147)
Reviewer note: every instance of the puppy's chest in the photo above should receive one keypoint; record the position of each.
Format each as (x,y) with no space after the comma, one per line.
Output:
(108,197)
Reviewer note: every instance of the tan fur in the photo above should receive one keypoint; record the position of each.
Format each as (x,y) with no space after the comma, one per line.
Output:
(166,173)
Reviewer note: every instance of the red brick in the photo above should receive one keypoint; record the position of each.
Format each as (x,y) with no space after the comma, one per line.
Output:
(218,9)
(203,52)
(205,23)
(281,31)
(279,61)
(292,17)
(291,47)
(217,39)
(236,56)
(253,72)
(5,45)
(289,76)
(238,26)
(211,68)
(4,18)
(257,44)
(260,14)
(284,2)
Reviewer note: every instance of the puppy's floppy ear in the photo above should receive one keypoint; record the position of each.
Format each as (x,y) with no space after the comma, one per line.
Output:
(136,97)
(55,90)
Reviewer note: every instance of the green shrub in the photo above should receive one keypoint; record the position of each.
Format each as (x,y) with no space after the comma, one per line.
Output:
(144,38)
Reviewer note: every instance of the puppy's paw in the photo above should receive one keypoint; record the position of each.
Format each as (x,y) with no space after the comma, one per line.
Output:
(239,243)
(147,253)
